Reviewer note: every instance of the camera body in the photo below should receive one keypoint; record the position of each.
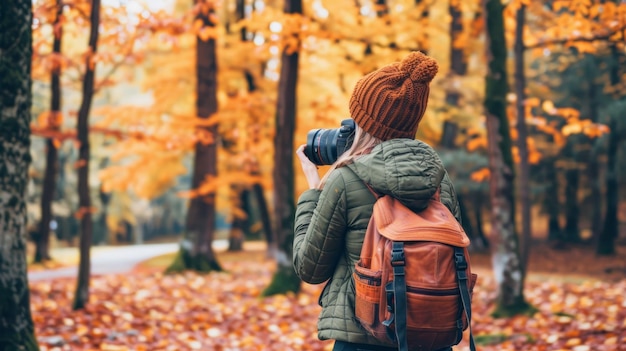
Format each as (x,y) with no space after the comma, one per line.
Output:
(324,146)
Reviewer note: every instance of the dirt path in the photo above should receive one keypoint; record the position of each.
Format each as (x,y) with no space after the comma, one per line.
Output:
(107,259)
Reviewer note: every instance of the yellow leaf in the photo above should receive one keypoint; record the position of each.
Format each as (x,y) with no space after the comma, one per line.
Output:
(548,106)
(571,129)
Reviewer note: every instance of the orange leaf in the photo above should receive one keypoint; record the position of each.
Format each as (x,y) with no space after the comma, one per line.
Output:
(476,143)
(480,175)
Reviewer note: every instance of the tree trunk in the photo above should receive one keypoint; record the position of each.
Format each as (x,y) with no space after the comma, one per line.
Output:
(478,219)
(523,183)
(507,265)
(285,278)
(105,199)
(16,323)
(465,219)
(458,64)
(239,228)
(424,45)
(593,167)
(572,211)
(264,214)
(257,189)
(196,251)
(382,9)
(475,234)
(42,244)
(552,204)
(610,229)
(81,297)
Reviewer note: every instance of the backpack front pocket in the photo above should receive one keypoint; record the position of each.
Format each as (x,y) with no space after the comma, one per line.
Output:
(367,284)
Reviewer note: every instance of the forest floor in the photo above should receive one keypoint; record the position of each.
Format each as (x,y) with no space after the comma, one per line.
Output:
(579,297)
(572,262)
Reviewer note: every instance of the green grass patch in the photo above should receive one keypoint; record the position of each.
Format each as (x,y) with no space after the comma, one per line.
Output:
(159,261)
(490,339)
(564,314)
(253,251)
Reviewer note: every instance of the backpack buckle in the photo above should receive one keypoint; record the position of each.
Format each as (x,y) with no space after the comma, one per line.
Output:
(459,260)
(397,254)
(390,306)
(389,291)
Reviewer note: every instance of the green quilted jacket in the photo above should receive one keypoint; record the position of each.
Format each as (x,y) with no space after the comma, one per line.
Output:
(330,223)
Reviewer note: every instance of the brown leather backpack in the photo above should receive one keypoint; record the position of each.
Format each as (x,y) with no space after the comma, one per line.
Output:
(413,281)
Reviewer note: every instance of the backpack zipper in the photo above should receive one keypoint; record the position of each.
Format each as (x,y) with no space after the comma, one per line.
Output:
(432,292)
(370,280)
(422,291)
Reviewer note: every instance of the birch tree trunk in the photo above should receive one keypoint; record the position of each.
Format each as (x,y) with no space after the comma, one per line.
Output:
(81,297)
(507,265)
(16,323)
(196,252)
(285,278)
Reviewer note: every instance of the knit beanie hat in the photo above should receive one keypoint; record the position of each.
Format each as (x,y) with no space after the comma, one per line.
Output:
(390,102)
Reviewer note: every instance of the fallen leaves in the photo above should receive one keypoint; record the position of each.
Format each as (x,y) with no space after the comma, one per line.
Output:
(572,316)
(220,311)
(224,311)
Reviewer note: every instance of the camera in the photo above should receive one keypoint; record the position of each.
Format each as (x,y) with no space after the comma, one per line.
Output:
(324,146)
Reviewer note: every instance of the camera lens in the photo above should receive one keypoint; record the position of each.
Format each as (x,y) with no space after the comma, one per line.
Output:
(311,148)
(321,146)
(324,146)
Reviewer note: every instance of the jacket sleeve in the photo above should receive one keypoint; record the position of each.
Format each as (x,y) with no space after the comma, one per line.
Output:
(449,198)
(319,233)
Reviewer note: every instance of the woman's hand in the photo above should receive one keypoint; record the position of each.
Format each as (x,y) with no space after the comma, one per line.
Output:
(309,168)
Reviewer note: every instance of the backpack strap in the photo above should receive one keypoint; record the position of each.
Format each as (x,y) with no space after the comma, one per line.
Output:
(397,287)
(461,274)
(396,291)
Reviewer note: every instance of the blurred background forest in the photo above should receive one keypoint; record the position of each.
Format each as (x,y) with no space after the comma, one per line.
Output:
(176,122)
(143,124)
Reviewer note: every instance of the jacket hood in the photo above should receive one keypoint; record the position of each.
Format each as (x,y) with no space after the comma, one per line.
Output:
(407,169)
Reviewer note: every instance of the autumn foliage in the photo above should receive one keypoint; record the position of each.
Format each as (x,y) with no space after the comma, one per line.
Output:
(144,127)
(157,46)
(224,311)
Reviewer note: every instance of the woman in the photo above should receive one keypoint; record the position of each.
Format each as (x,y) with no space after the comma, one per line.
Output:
(332,216)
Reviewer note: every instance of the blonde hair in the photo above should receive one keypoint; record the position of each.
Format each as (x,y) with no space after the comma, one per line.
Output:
(362,144)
